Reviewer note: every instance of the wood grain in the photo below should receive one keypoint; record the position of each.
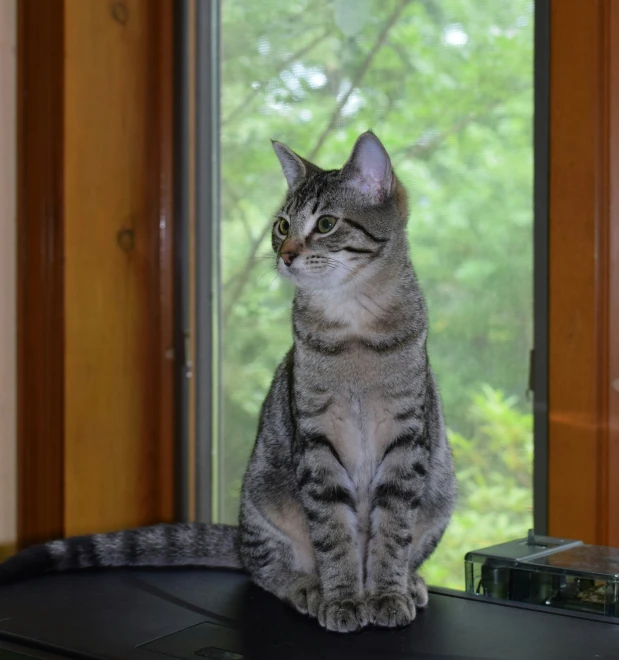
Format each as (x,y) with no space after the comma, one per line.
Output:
(583,278)
(95,232)
(611,459)
(40,314)
(118,309)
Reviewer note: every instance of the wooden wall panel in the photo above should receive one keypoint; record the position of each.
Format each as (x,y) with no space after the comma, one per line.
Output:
(611,459)
(584,290)
(118,444)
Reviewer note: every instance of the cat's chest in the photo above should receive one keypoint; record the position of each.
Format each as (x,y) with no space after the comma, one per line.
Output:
(360,426)
(355,316)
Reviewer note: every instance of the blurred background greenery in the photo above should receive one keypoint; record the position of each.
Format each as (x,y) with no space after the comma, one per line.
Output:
(447,85)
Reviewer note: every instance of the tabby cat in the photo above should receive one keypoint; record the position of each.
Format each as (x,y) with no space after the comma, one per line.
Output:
(350,484)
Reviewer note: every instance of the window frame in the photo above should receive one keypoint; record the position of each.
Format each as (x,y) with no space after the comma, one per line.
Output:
(583,411)
(207,461)
(581,208)
(539,357)
(56,396)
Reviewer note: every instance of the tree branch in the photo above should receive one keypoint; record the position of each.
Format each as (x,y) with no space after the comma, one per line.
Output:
(289,60)
(418,150)
(356,81)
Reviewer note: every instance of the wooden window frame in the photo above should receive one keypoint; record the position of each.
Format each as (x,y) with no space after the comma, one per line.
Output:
(41,272)
(583,419)
(583,269)
(40,315)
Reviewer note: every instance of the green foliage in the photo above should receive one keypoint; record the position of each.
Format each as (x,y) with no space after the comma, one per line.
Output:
(494,470)
(447,86)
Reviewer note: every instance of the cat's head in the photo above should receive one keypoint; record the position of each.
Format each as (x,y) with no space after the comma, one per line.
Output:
(339,227)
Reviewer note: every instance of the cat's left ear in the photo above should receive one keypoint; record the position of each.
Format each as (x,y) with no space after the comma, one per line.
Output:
(368,169)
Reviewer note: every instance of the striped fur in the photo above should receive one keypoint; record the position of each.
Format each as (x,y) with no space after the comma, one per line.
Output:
(182,544)
(350,485)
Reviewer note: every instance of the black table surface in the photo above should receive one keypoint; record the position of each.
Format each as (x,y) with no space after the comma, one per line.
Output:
(219,615)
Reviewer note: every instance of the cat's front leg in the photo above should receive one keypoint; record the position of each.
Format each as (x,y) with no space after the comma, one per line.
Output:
(326,494)
(396,497)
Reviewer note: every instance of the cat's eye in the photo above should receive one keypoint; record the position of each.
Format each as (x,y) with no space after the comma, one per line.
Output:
(325,224)
(283,226)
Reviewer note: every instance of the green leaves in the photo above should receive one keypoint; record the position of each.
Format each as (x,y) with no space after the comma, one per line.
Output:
(494,471)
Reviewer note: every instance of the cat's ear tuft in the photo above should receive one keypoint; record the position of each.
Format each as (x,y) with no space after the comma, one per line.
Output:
(368,169)
(294,167)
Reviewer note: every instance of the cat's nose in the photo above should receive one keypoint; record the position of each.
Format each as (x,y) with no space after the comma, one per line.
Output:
(291,248)
(289,256)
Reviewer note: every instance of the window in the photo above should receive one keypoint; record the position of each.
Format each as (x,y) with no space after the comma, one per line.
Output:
(448,87)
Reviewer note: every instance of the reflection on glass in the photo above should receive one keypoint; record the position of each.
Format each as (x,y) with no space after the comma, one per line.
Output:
(447,86)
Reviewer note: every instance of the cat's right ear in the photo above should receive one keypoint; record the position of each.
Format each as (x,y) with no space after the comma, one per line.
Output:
(368,169)
(294,167)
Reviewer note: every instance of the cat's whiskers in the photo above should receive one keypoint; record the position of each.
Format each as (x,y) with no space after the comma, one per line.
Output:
(270,269)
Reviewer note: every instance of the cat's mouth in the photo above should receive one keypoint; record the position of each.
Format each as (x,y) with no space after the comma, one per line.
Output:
(313,274)
(298,273)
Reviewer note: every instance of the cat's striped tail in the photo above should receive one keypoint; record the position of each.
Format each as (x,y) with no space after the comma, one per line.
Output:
(159,546)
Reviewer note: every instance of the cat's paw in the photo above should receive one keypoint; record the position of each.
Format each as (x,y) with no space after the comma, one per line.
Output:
(343,615)
(390,610)
(305,595)
(418,590)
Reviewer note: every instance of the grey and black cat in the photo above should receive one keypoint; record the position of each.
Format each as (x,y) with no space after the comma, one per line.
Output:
(350,484)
